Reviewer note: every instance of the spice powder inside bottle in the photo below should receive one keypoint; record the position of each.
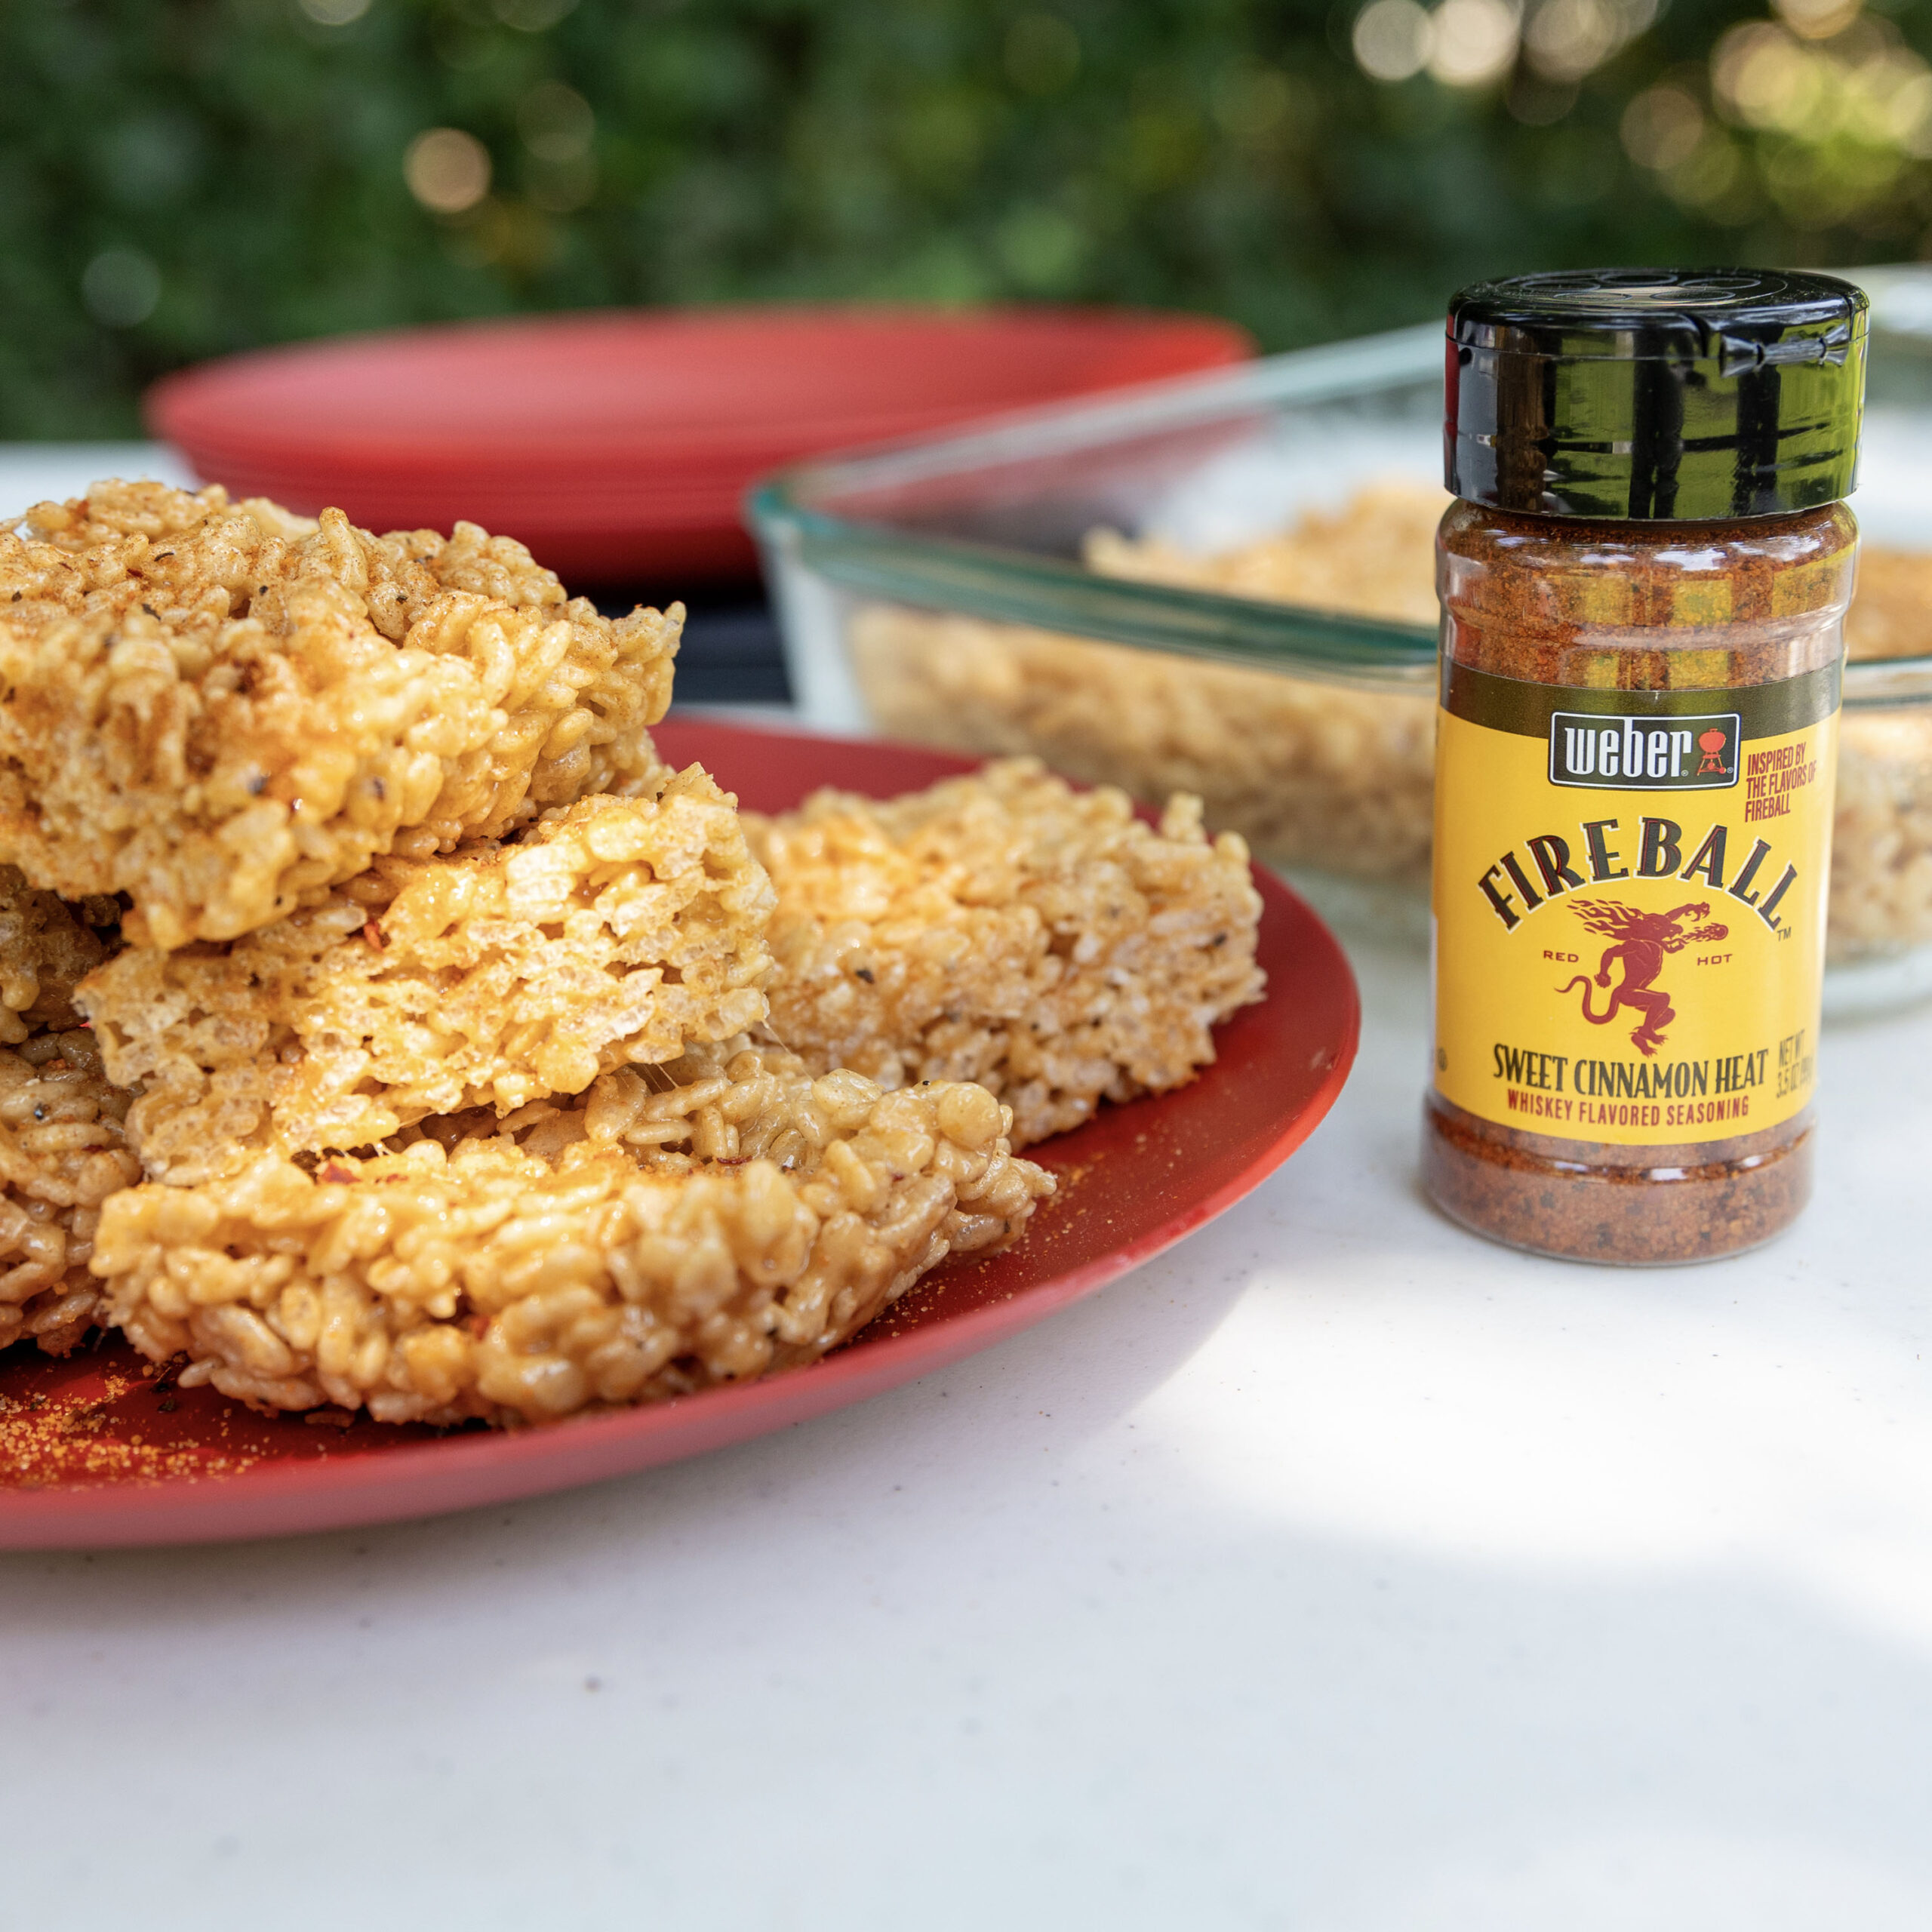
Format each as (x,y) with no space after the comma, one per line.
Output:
(1643,584)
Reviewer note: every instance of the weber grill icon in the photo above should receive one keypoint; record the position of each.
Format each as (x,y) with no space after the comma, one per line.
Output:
(1643,754)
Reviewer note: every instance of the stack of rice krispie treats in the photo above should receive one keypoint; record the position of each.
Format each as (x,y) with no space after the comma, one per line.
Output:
(385,1024)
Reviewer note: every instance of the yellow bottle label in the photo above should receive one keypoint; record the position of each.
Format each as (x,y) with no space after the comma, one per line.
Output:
(1629,905)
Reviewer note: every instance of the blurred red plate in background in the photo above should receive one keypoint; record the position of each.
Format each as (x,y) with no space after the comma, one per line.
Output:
(92,1453)
(617,444)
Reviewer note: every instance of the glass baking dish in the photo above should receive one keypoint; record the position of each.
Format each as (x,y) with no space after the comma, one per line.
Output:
(992,592)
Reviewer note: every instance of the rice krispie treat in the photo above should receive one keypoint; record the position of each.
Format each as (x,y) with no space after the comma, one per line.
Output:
(46,947)
(1881,839)
(62,1154)
(723,1217)
(1891,609)
(1005,929)
(615,932)
(222,710)
(62,1146)
(1374,556)
(1308,772)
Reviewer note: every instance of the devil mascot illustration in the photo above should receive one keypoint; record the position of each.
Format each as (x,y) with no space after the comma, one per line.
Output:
(1642,939)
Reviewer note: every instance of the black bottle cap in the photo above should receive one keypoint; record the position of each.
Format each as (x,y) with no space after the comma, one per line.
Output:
(1656,393)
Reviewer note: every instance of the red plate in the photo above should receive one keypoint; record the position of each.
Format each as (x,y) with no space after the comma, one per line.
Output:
(92,1458)
(617,445)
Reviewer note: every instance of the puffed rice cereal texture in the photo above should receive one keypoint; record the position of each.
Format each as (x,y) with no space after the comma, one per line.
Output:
(1339,779)
(1308,773)
(1891,607)
(1374,556)
(1005,929)
(1881,839)
(62,1153)
(616,931)
(47,948)
(707,1222)
(223,710)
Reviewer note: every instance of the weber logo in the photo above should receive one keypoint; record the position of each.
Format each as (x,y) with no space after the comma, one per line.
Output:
(1643,754)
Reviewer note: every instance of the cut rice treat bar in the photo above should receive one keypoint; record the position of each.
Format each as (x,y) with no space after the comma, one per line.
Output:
(194,558)
(62,1146)
(46,947)
(615,932)
(723,1217)
(222,710)
(1006,929)
(62,1154)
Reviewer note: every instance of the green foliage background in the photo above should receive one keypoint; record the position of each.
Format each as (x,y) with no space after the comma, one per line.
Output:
(1222,154)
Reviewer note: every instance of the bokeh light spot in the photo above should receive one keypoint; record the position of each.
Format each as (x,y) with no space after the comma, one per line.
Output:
(446,169)
(1909,113)
(1708,174)
(1661,127)
(1566,38)
(556,122)
(1392,39)
(333,13)
(1042,249)
(121,288)
(1765,78)
(151,160)
(1817,20)
(1474,41)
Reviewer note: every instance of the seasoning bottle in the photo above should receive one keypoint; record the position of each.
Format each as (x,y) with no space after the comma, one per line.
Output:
(1643,583)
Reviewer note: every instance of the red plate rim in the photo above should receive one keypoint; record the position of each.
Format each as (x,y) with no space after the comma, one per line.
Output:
(260,406)
(415,1479)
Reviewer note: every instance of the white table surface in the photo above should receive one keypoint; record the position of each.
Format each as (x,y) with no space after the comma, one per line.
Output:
(1338,1571)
